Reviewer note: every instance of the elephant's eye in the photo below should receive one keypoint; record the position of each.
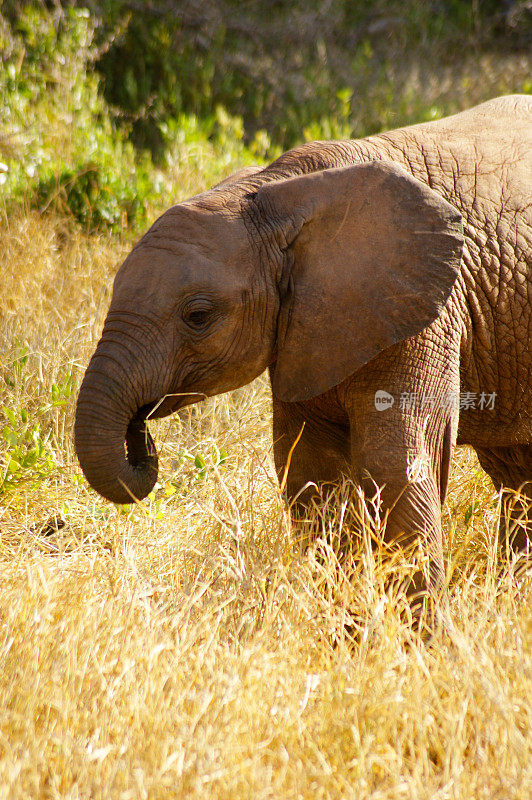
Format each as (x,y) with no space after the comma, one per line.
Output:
(197,318)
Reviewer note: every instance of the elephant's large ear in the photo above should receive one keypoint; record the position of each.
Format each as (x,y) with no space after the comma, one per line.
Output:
(372,256)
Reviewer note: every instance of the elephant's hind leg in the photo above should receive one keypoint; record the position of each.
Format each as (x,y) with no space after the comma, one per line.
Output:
(510,468)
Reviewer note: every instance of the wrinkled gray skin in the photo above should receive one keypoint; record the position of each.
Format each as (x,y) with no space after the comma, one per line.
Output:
(399,262)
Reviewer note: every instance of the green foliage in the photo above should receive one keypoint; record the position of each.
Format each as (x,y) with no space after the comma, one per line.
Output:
(114,108)
(27,456)
(18,364)
(60,148)
(279,65)
(202,463)
(61,392)
(95,194)
(58,143)
(471,510)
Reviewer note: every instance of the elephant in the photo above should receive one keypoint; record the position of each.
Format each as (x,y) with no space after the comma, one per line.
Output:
(384,282)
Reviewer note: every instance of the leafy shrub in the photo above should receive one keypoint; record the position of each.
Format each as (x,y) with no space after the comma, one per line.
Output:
(58,143)
(203,87)
(27,457)
(26,454)
(286,67)
(62,149)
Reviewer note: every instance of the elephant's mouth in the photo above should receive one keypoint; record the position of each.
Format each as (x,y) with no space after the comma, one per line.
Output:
(169,404)
(140,447)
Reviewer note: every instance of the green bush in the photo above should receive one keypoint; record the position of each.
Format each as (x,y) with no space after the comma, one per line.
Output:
(119,108)
(57,141)
(287,67)
(60,146)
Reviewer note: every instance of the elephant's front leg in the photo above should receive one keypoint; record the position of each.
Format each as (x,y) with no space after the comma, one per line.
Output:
(408,495)
(311,448)
(402,454)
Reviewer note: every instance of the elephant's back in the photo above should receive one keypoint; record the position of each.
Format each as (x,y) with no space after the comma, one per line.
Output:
(479,157)
(509,116)
(481,162)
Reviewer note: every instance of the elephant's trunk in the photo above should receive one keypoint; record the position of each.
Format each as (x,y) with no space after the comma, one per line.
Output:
(113,444)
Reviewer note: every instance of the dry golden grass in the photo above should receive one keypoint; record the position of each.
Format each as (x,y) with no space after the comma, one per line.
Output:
(188,647)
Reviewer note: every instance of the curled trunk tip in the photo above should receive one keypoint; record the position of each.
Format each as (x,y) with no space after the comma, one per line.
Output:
(119,460)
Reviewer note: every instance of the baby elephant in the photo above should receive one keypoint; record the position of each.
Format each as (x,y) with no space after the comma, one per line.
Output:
(385,284)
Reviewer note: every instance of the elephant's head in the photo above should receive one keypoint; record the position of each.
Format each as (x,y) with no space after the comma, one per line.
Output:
(318,273)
